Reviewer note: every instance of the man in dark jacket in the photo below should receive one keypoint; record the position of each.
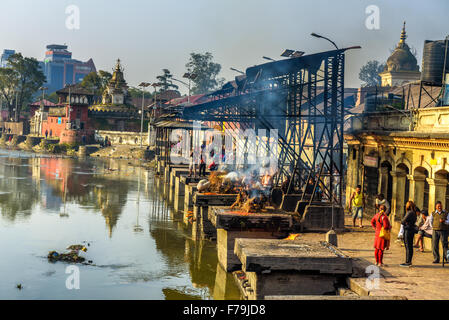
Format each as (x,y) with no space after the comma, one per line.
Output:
(409,222)
(439,220)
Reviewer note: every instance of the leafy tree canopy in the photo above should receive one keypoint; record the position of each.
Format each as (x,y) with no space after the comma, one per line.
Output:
(206,72)
(166,82)
(369,73)
(96,81)
(19,82)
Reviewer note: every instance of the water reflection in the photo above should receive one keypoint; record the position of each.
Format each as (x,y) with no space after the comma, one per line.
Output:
(140,247)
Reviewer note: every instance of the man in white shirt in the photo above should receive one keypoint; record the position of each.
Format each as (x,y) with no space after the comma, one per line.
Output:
(380,200)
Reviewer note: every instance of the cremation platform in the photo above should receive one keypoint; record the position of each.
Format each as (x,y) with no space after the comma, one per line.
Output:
(289,268)
(232,224)
(203,228)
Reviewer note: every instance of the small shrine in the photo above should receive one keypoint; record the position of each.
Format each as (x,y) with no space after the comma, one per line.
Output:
(116,92)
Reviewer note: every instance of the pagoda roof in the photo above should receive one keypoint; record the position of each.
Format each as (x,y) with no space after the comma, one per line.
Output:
(46,102)
(75,89)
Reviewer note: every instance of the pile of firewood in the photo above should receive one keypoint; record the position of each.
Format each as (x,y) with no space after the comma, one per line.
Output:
(247,204)
(219,184)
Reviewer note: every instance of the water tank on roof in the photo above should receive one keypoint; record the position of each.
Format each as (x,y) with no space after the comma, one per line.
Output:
(433,62)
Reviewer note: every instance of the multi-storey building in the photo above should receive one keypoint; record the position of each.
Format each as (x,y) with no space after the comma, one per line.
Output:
(5,56)
(61,69)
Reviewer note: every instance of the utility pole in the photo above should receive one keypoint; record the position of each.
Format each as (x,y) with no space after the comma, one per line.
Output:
(143,85)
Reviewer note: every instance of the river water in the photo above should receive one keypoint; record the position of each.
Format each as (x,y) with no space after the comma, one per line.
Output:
(138,245)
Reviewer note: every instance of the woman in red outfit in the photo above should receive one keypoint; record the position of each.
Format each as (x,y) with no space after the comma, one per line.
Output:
(380,244)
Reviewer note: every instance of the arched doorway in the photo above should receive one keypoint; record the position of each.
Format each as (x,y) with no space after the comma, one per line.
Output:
(370,186)
(421,188)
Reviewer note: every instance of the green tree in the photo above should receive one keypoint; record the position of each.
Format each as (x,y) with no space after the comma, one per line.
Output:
(137,93)
(206,72)
(53,97)
(96,81)
(19,82)
(166,82)
(369,73)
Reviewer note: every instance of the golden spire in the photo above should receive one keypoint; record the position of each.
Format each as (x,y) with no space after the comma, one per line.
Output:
(118,66)
(403,34)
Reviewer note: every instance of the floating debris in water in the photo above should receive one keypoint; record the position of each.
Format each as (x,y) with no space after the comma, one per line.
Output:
(74,254)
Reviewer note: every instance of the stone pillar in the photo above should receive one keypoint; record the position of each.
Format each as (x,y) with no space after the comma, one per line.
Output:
(398,194)
(411,180)
(383,181)
(437,192)
(418,190)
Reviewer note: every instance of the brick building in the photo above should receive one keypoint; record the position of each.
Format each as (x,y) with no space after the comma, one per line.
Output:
(68,120)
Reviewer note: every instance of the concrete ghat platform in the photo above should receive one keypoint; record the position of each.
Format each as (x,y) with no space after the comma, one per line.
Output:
(203,228)
(289,268)
(231,225)
(268,220)
(257,255)
(175,174)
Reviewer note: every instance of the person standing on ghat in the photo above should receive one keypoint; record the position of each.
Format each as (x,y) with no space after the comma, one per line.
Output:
(192,165)
(409,223)
(202,161)
(381,242)
(439,220)
(357,206)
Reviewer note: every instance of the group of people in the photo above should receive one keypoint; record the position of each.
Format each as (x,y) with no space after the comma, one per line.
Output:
(46,133)
(198,159)
(415,222)
(434,226)
(202,162)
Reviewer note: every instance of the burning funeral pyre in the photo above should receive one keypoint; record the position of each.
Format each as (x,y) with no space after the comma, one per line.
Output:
(253,191)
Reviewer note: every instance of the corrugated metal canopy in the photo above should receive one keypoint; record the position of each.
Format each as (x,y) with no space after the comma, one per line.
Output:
(282,67)
(188,125)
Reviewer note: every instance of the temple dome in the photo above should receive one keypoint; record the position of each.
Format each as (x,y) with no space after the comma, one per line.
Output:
(402,59)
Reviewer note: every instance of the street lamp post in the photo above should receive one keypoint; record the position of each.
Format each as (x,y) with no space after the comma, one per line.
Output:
(319,36)
(143,85)
(186,84)
(191,76)
(331,236)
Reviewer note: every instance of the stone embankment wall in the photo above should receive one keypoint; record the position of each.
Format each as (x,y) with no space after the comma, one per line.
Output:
(122,138)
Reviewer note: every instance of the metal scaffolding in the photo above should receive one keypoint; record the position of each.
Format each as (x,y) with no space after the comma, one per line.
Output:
(303,98)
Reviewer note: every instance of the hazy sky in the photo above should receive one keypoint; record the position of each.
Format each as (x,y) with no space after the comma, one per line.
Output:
(149,35)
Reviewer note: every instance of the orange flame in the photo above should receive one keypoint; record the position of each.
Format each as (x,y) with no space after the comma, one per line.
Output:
(293,236)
